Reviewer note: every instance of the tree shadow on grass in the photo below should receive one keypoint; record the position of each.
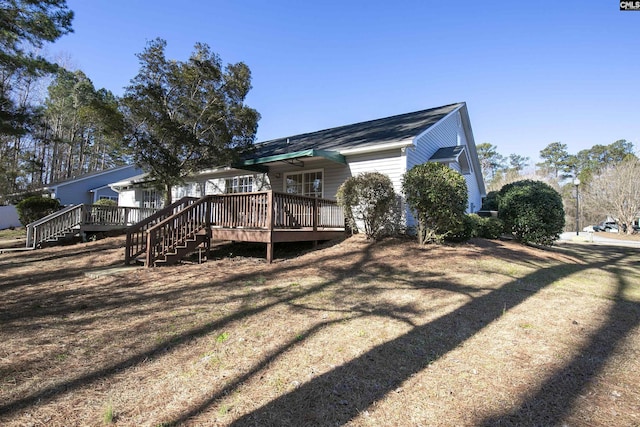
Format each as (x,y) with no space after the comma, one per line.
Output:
(55,390)
(558,394)
(338,396)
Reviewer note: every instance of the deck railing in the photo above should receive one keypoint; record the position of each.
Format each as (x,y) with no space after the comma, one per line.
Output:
(115,215)
(53,225)
(166,235)
(266,210)
(136,234)
(72,218)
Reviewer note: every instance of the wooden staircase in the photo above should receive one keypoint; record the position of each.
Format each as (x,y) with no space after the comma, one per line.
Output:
(78,219)
(59,225)
(137,246)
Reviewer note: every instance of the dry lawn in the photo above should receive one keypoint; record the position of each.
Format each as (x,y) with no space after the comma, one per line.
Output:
(355,333)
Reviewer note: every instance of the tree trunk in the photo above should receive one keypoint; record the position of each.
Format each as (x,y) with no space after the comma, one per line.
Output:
(167,195)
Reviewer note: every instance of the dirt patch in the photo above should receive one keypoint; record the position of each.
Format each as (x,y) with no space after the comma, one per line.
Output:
(358,333)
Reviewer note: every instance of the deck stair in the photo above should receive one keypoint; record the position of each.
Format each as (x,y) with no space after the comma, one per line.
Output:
(136,246)
(76,220)
(59,225)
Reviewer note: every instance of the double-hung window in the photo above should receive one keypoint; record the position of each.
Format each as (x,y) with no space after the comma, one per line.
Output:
(304,183)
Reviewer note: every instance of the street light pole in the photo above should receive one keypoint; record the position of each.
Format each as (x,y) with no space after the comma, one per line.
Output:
(576,182)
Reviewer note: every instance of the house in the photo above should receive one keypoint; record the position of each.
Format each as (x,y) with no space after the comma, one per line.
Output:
(90,188)
(317,163)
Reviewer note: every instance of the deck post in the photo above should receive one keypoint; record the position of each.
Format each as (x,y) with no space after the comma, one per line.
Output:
(270,221)
(148,261)
(207,220)
(270,252)
(127,249)
(314,214)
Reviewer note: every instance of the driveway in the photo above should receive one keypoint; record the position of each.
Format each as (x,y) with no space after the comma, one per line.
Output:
(597,238)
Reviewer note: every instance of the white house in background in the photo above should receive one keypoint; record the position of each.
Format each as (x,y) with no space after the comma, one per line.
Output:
(90,188)
(316,163)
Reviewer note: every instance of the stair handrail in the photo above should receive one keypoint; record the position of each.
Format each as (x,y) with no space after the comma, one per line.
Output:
(37,231)
(136,234)
(175,235)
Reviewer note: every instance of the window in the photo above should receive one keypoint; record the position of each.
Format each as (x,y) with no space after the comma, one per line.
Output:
(238,184)
(305,183)
(151,199)
(114,198)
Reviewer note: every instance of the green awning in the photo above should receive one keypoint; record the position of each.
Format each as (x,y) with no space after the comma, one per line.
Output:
(329,155)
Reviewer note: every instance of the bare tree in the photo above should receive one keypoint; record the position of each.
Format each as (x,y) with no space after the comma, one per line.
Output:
(616,192)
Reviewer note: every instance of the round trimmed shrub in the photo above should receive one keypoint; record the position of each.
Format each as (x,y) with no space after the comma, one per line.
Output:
(532,211)
(35,207)
(438,196)
(367,198)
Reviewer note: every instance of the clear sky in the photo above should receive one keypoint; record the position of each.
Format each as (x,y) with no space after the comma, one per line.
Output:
(531,72)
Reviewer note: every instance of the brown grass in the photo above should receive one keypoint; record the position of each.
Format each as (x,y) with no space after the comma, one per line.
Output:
(356,333)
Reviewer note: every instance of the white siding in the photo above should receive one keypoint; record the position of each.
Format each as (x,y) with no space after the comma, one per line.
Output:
(442,134)
(391,163)
(446,133)
(127,198)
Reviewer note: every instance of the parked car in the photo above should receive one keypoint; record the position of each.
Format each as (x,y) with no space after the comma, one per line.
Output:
(608,226)
(591,228)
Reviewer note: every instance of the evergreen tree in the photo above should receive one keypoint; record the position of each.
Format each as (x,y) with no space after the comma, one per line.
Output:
(185,116)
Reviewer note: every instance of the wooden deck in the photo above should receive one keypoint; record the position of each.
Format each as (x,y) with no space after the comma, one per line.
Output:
(266,217)
(79,219)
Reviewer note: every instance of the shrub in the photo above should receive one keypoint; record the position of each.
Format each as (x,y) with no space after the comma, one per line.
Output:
(490,202)
(532,211)
(367,198)
(106,202)
(438,196)
(490,228)
(468,229)
(35,207)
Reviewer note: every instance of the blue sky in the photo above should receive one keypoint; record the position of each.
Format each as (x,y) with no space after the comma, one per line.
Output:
(531,73)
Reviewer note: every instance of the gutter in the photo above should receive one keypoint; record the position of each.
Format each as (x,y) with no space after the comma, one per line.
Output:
(378,147)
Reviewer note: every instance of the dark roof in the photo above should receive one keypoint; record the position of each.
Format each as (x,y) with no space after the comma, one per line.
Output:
(373,132)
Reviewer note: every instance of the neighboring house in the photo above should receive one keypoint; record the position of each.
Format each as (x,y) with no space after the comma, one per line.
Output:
(90,188)
(9,217)
(316,163)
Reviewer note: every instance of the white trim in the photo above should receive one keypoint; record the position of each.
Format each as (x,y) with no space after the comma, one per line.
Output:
(285,174)
(380,147)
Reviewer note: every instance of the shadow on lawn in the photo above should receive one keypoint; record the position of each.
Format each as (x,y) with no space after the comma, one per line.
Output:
(558,394)
(341,394)
(337,396)
(57,389)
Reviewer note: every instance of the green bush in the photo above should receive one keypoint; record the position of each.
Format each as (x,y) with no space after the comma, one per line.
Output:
(532,211)
(490,202)
(490,228)
(467,229)
(438,197)
(106,202)
(367,198)
(35,207)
